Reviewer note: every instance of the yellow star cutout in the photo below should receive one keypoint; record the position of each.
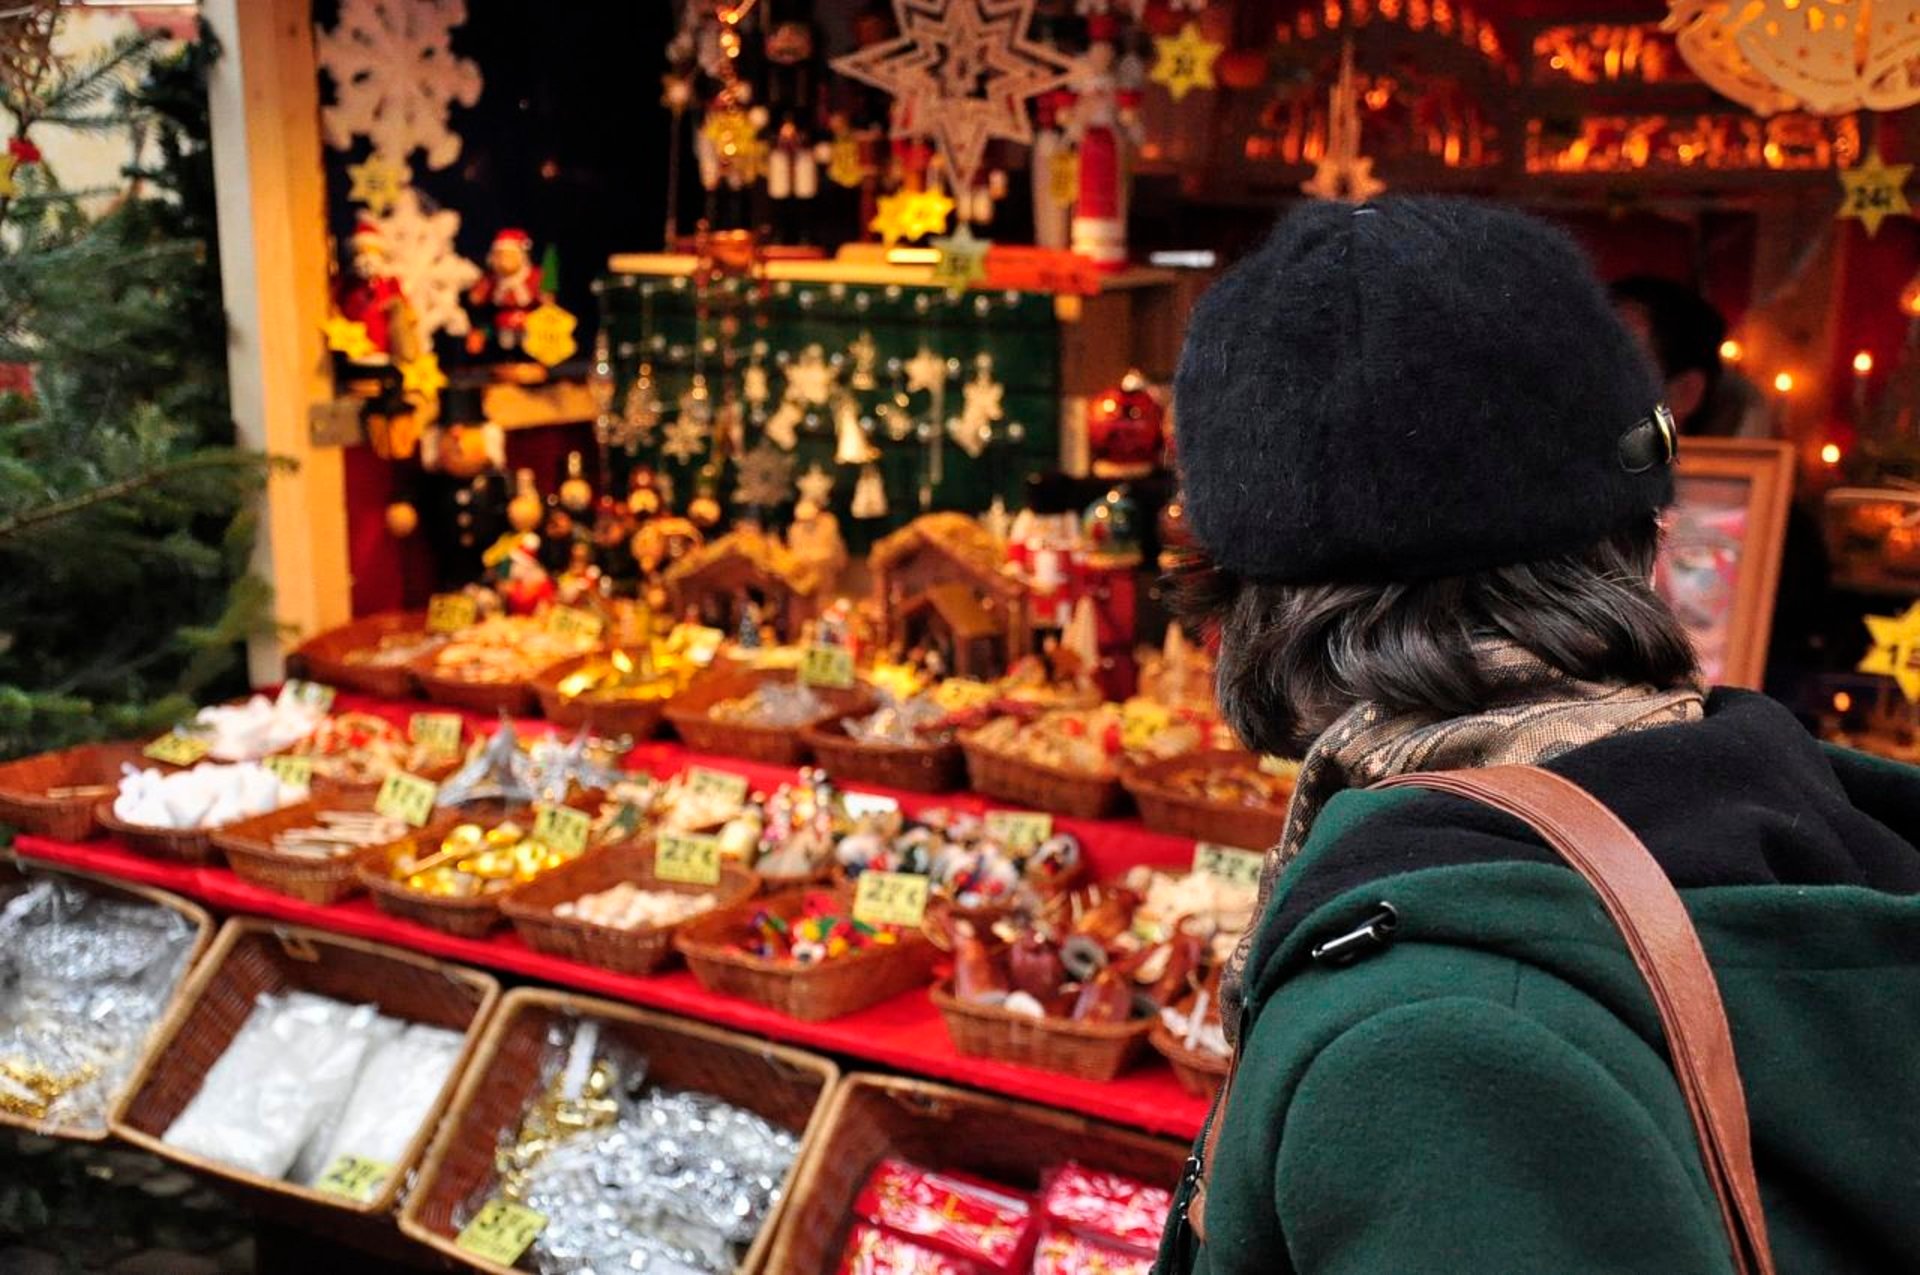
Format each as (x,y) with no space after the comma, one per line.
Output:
(1874,190)
(8,186)
(844,165)
(377,184)
(911,214)
(1184,62)
(963,260)
(737,138)
(349,337)
(549,334)
(1896,650)
(423,376)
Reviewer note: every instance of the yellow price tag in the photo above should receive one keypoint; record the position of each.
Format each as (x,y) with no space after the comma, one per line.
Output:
(693,858)
(827,666)
(450,612)
(572,622)
(295,772)
(890,898)
(1019,829)
(959,693)
(1228,865)
(561,827)
(354,1177)
(717,784)
(176,749)
(500,1232)
(438,733)
(311,694)
(406,797)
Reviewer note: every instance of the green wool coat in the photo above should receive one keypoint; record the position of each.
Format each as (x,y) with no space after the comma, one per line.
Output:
(1487,1091)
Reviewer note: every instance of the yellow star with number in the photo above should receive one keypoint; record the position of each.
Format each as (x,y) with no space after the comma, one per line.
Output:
(349,337)
(422,376)
(737,140)
(377,184)
(1873,191)
(1184,62)
(8,186)
(1896,650)
(549,334)
(911,214)
(963,260)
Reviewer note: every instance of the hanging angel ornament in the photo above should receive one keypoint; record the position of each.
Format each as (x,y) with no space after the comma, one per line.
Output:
(640,413)
(782,428)
(850,443)
(865,354)
(982,405)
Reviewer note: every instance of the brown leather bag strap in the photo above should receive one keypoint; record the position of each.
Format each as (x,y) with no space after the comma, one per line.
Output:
(1648,912)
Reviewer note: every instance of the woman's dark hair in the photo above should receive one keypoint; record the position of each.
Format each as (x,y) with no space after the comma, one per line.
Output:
(1293,657)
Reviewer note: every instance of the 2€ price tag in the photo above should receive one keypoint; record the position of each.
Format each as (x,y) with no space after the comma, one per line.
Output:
(1228,865)
(311,694)
(562,827)
(500,1232)
(294,772)
(572,622)
(354,1177)
(1019,829)
(718,784)
(688,857)
(406,797)
(438,733)
(450,612)
(176,749)
(890,898)
(827,666)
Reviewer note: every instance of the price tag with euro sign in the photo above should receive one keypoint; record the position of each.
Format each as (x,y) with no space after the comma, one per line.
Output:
(406,797)
(501,1231)
(354,1177)
(1228,865)
(572,622)
(1019,829)
(562,827)
(438,733)
(450,612)
(692,858)
(177,749)
(310,694)
(294,772)
(718,784)
(890,898)
(830,666)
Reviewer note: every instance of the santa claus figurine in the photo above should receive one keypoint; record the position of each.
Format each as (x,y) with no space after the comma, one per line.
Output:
(368,293)
(527,586)
(502,299)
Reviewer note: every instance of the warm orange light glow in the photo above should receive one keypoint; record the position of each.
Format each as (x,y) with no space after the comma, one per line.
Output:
(1863,362)
(1731,350)
(1783,383)
(1842,702)
(1830,454)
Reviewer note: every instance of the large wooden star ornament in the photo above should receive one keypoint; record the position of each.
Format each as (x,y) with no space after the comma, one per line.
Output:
(1873,191)
(1896,650)
(960,71)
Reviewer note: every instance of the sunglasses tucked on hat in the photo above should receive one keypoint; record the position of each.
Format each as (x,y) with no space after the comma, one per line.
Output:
(1413,388)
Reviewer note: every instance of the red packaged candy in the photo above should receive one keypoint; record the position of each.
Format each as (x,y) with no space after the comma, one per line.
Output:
(872,1251)
(1061,1252)
(1106,1205)
(958,1215)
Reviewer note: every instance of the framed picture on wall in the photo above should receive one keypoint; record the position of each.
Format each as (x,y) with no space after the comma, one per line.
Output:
(1720,563)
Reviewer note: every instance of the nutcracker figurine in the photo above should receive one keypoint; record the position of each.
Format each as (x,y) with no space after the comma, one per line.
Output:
(1104,123)
(501,301)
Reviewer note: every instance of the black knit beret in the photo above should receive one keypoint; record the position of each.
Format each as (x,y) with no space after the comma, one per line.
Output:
(1412,388)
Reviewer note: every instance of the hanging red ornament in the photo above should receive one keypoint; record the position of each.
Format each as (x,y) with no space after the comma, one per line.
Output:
(1126,429)
(23,150)
(1241,69)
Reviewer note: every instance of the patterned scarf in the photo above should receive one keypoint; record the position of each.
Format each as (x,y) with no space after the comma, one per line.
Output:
(1535,714)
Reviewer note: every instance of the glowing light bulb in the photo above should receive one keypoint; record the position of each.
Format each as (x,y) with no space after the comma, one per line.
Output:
(1783,383)
(1842,702)
(1830,454)
(1863,362)
(1731,350)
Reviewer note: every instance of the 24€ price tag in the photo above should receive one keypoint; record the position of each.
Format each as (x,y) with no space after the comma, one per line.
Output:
(310,694)
(890,898)
(406,797)
(827,666)
(438,733)
(1228,865)
(354,1177)
(1019,829)
(450,612)
(692,858)
(294,772)
(500,1231)
(572,622)
(718,784)
(176,749)
(562,827)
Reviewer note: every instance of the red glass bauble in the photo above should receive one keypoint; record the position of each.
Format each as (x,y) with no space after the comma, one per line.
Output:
(1126,429)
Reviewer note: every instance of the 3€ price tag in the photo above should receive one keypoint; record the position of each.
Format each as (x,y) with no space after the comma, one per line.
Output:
(438,733)
(1228,865)
(354,1177)
(407,797)
(562,827)
(1019,829)
(294,772)
(309,694)
(450,612)
(692,858)
(890,898)
(176,749)
(717,784)
(827,666)
(500,1232)
(572,622)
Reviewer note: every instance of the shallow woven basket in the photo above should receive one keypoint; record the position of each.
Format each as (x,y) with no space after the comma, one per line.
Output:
(323,658)
(24,785)
(638,719)
(638,951)
(515,699)
(1199,1072)
(775,745)
(873,1118)
(813,993)
(468,918)
(1025,783)
(12,882)
(182,845)
(914,767)
(1086,1051)
(250,957)
(786,1087)
(1179,814)
(248,847)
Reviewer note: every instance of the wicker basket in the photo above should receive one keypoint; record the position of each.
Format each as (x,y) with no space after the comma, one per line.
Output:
(515,699)
(1025,783)
(248,847)
(637,719)
(91,769)
(468,918)
(182,845)
(813,993)
(1086,1051)
(323,658)
(1179,814)
(783,1086)
(916,768)
(639,951)
(1199,1072)
(250,957)
(873,1118)
(12,881)
(775,745)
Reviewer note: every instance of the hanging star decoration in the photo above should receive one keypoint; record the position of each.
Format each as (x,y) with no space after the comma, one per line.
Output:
(1184,62)
(910,214)
(422,376)
(349,337)
(1343,172)
(960,71)
(1874,190)
(376,185)
(816,485)
(763,478)
(963,260)
(925,371)
(810,377)
(685,438)
(548,336)
(972,430)
(1896,650)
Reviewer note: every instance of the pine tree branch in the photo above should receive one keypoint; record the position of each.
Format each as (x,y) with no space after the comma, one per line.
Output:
(106,493)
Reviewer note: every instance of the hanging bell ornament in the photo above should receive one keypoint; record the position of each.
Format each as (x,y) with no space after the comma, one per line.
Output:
(869,494)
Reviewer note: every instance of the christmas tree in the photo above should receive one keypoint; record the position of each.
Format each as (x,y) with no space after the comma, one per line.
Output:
(125,527)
